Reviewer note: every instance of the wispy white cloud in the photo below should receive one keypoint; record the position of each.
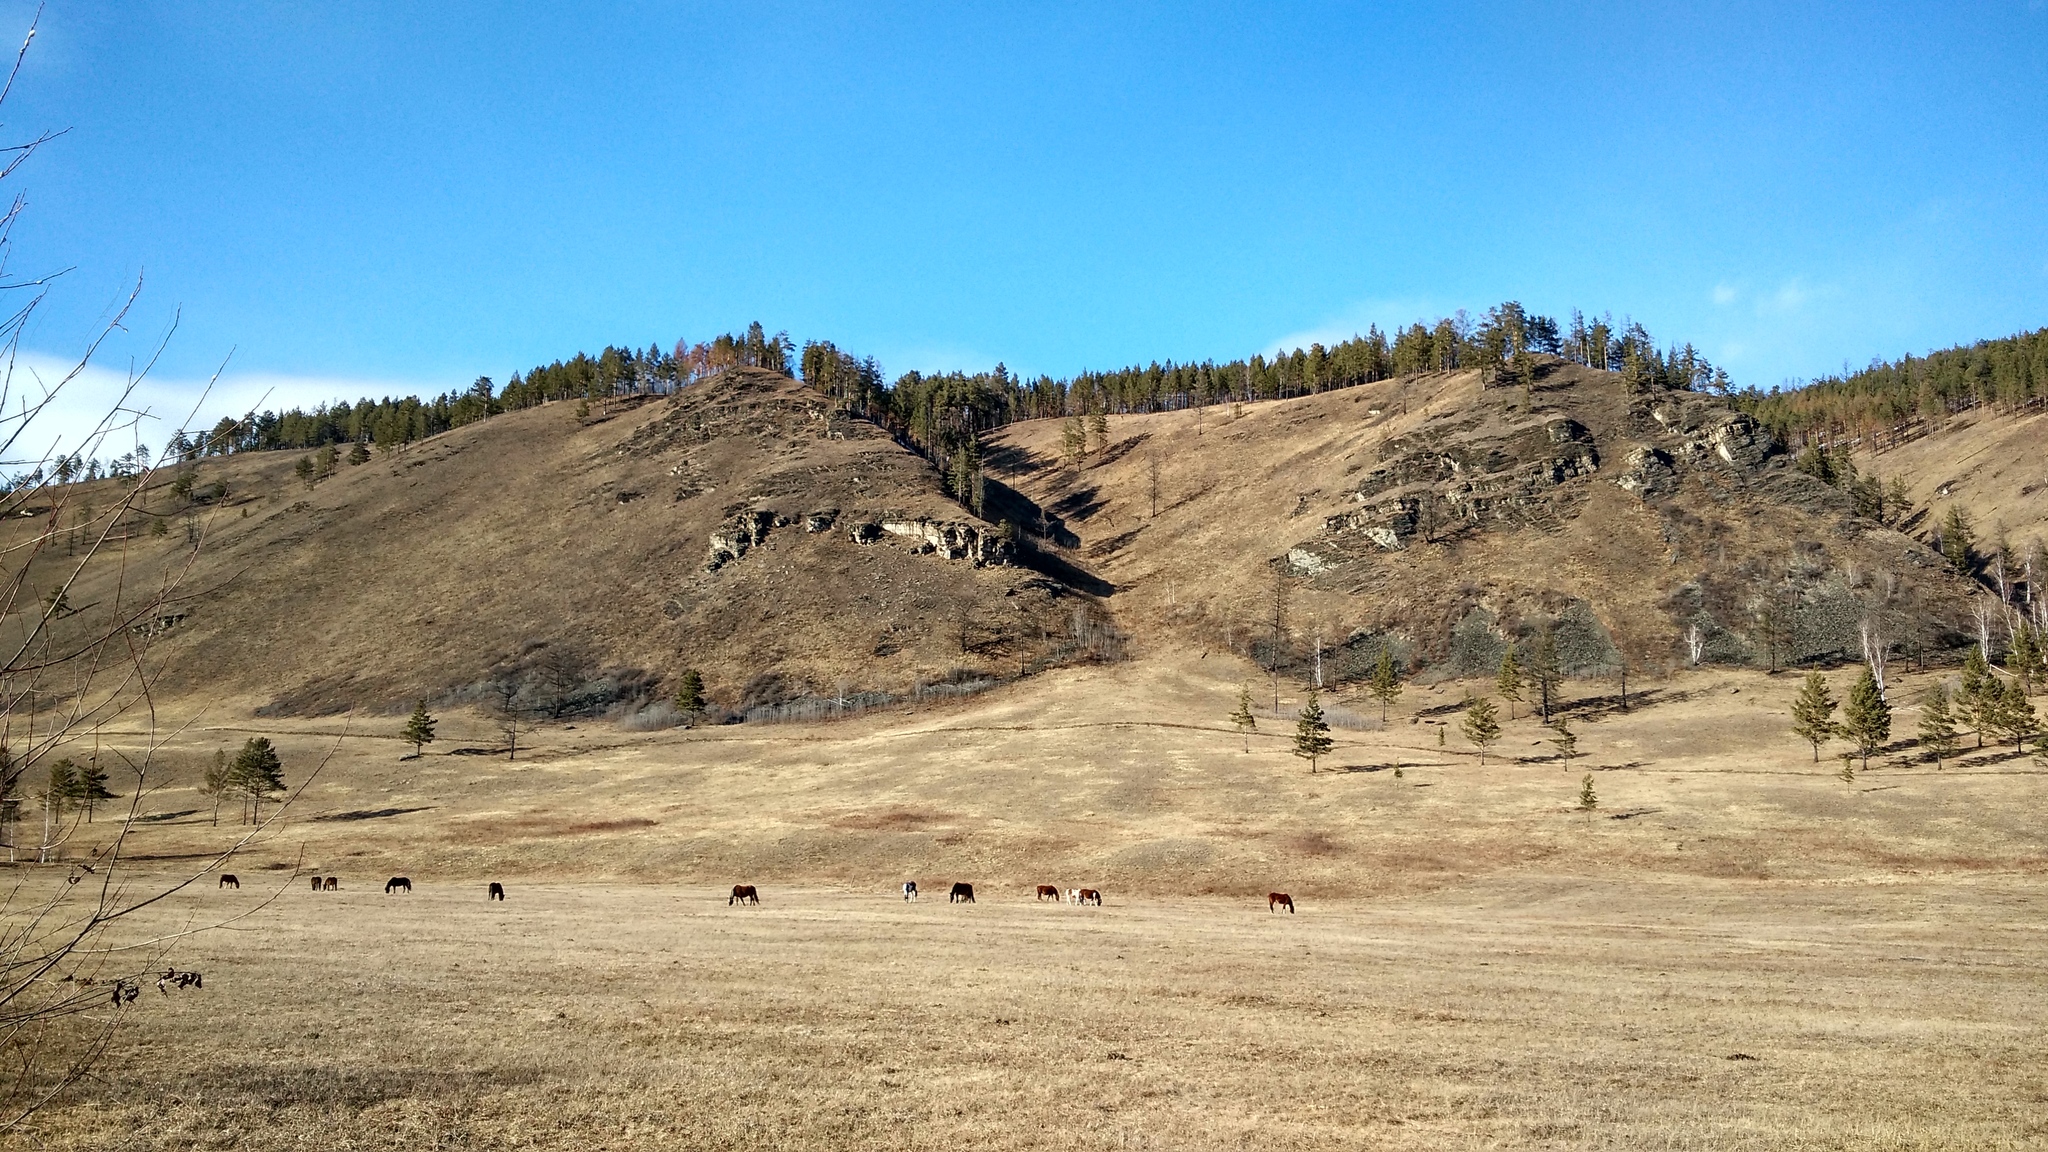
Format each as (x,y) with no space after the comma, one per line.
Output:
(158,406)
(1725,294)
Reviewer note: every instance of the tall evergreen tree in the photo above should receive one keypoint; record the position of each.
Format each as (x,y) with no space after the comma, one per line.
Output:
(1956,540)
(1509,682)
(257,773)
(1312,732)
(1385,685)
(91,787)
(1567,742)
(1867,719)
(1974,703)
(1813,713)
(1243,719)
(690,693)
(419,731)
(1545,675)
(1481,725)
(1938,724)
(2017,720)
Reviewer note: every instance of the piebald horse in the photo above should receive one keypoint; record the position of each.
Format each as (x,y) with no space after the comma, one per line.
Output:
(910,889)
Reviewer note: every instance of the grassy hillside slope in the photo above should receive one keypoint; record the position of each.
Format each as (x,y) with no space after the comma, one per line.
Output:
(1441,517)
(572,554)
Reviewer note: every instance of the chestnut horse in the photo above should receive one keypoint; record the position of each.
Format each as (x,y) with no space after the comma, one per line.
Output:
(333,884)
(1275,899)
(1089,896)
(743,894)
(1045,890)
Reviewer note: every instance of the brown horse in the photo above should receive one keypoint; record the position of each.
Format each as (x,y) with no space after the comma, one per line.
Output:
(1048,891)
(1275,899)
(228,880)
(333,884)
(497,891)
(1090,896)
(316,883)
(961,894)
(743,894)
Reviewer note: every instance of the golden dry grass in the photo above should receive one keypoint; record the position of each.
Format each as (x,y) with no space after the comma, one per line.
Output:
(1475,964)
(1518,1012)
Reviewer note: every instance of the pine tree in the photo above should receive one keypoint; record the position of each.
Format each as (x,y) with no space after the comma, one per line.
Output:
(1972,703)
(2016,716)
(1244,720)
(1813,714)
(1956,541)
(256,772)
(1544,673)
(2022,656)
(304,471)
(1588,799)
(1509,682)
(217,782)
(1867,719)
(1938,724)
(1481,725)
(62,789)
(1311,732)
(690,693)
(1385,685)
(419,731)
(1098,426)
(1897,502)
(359,453)
(90,787)
(1567,743)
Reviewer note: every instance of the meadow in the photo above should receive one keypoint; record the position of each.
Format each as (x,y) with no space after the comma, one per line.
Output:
(1737,948)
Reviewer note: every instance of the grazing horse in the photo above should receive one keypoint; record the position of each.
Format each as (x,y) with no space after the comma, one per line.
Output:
(1275,899)
(398,884)
(497,891)
(228,880)
(333,884)
(962,893)
(910,889)
(1090,896)
(316,883)
(743,894)
(1073,895)
(1045,890)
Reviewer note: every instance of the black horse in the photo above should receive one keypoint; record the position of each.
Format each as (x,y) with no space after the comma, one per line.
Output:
(962,893)
(497,891)
(228,880)
(398,884)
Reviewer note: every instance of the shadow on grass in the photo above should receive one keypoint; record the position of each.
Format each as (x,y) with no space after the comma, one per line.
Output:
(369,814)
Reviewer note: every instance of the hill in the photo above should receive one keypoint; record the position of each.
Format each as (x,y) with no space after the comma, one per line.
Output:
(740,528)
(1441,517)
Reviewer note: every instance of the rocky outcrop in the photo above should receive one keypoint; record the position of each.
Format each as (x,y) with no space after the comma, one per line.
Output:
(740,532)
(952,540)
(1647,472)
(820,521)
(1742,442)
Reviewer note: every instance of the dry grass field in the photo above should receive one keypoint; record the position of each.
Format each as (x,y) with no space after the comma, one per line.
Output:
(1474,963)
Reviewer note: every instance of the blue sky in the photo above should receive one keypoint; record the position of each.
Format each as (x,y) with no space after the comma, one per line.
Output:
(370,198)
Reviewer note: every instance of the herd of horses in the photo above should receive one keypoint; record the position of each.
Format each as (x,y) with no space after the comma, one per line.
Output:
(961,892)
